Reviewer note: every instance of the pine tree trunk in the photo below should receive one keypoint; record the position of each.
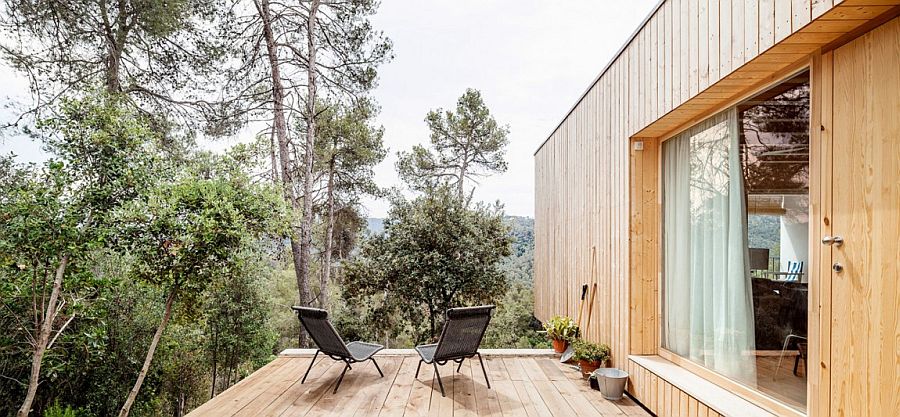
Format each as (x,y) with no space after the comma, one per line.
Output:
(215,362)
(309,154)
(329,236)
(126,408)
(300,254)
(43,338)
(462,176)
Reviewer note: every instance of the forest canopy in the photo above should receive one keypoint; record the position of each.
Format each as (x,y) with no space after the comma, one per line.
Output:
(141,274)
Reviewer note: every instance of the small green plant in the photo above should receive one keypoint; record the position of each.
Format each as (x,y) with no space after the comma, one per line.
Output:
(590,352)
(561,328)
(57,410)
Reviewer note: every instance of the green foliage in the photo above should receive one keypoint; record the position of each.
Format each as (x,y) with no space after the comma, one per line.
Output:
(513,324)
(467,144)
(561,328)
(434,254)
(349,147)
(239,337)
(590,352)
(185,232)
(161,55)
(519,265)
(61,210)
(57,410)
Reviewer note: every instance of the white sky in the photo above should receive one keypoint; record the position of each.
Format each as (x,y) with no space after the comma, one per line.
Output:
(531,60)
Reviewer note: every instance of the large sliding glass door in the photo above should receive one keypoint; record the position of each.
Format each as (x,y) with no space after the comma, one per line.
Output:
(735,242)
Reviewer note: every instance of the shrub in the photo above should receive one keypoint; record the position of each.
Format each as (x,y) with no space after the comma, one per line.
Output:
(561,328)
(590,352)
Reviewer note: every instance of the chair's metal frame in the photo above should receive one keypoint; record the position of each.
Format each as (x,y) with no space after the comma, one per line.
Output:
(348,358)
(456,358)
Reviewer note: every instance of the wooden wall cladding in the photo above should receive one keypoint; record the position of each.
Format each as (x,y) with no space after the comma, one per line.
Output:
(594,192)
(663,398)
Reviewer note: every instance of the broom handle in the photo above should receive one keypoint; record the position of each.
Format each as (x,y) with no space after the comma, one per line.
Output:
(584,289)
(590,305)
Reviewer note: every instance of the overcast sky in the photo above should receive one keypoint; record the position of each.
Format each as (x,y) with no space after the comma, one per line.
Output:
(531,60)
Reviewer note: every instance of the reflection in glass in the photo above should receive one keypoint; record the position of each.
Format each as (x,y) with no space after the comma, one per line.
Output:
(735,242)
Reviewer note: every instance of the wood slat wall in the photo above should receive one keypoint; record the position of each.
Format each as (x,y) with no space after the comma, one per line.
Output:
(663,398)
(596,194)
(684,58)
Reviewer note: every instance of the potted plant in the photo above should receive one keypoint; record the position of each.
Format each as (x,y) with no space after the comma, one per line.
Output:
(590,356)
(560,330)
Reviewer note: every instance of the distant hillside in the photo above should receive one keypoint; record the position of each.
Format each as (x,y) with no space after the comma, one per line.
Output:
(519,265)
(764,232)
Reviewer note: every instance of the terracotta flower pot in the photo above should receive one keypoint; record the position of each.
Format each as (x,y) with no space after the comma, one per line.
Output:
(588,366)
(560,345)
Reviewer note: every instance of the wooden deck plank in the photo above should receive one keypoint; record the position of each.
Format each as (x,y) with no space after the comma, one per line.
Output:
(292,374)
(510,404)
(551,369)
(248,394)
(442,405)
(398,396)
(581,405)
(532,369)
(531,400)
(485,399)
(420,393)
(520,386)
(554,400)
(464,393)
(348,396)
(252,379)
(496,369)
(375,392)
(299,398)
(515,369)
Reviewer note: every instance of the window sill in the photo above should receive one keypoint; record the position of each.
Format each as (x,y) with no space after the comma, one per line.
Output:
(714,396)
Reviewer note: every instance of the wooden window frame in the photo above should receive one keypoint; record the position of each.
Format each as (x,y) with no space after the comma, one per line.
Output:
(746,392)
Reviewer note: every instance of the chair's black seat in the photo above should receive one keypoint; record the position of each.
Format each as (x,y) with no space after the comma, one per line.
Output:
(363,351)
(427,352)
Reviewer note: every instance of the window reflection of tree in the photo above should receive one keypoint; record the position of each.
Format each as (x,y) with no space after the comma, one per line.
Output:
(775,139)
(708,170)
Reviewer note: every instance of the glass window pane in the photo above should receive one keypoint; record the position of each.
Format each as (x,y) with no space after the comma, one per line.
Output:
(735,242)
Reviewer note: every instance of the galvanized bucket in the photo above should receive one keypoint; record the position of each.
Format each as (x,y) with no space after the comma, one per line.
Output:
(611,382)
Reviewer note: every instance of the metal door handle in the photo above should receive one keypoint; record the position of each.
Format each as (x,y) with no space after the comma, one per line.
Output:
(836,240)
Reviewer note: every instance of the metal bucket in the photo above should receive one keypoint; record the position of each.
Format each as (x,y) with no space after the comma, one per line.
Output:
(611,382)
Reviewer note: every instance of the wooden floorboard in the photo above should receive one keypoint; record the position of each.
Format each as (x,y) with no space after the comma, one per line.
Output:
(527,386)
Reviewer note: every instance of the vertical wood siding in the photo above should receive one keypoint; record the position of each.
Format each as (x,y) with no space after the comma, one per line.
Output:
(586,202)
(596,194)
(663,398)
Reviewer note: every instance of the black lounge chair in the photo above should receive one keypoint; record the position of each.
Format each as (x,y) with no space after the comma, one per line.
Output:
(330,343)
(459,340)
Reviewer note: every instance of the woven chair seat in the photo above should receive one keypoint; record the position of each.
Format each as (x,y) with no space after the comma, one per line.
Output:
(427,352)
(361,351)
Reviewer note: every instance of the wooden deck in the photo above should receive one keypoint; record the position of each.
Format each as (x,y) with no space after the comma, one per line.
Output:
(534,385)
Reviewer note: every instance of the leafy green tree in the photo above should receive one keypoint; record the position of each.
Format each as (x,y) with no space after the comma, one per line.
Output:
(237,326)
(184,233)
(467,144)
(56,214)
(434,254)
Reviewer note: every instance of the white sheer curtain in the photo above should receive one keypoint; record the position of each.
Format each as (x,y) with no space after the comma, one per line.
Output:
(708,305)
